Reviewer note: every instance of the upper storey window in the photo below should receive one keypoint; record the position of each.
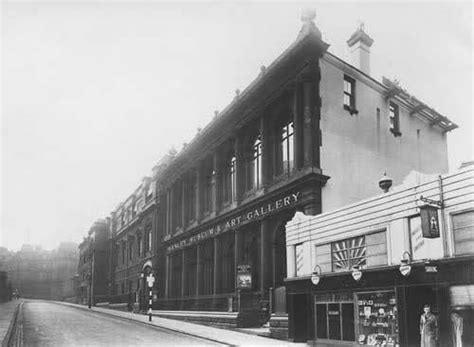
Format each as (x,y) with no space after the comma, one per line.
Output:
(394,116)
(349,95)
(255,169)
(208,175)
(286,148)
(229,179)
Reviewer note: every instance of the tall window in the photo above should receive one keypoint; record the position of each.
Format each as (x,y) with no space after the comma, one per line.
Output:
(148,239)
(192,197)
(229,180)
(394,118)
(208,191)
(286,148)
(349,94)
(130,248)
(124,251)
(139,245)
(255,171)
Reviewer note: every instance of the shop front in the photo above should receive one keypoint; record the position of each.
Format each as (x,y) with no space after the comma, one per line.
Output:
(383,307)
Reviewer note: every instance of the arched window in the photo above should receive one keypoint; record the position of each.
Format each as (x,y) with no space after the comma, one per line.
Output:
(229,179)
(255,169)
(286,148)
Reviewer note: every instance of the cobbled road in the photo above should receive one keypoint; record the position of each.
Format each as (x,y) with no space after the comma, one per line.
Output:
(50,324)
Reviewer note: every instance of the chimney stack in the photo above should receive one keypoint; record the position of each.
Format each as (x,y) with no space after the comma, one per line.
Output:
(359,44)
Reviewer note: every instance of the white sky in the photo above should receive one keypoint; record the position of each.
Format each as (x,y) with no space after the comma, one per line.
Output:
(94,93)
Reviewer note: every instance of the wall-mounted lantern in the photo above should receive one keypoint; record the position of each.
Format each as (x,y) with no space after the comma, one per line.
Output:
(405,267)
(356,273)
(385,183)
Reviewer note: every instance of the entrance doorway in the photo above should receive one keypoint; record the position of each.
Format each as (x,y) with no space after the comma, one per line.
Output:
(416,297)
(300,307)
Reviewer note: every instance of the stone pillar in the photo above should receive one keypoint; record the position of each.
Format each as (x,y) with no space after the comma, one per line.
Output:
(290,261)
(266,151)
(216,266)
(298,126)
(239,168)
(183,273)
(238,238)
(198,267)
(265,256)
(167,276)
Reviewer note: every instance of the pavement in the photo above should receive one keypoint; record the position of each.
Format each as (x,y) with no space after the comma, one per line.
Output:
(7,311)
(49,324)
(211,334)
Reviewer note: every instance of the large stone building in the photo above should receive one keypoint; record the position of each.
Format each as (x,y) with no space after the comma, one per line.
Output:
(40,274)
(311,133)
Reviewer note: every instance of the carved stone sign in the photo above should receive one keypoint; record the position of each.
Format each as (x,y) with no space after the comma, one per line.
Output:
(252,214)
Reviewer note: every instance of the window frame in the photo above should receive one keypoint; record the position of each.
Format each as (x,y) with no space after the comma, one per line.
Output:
(394,118)
(351,107)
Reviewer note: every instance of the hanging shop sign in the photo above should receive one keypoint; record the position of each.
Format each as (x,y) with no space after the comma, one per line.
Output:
(429,221)
(252,214)
(244,276)
(316,276)
(405,269)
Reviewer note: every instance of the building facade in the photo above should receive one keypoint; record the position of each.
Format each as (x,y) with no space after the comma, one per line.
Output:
(360,275)
(293,140)
(311,134)
(93,268)
(135,234)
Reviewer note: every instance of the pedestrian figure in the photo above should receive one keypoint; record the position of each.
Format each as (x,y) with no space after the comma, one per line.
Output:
(428,328)
(457,324)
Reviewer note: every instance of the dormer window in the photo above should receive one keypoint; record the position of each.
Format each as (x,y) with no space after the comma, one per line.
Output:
(349,95)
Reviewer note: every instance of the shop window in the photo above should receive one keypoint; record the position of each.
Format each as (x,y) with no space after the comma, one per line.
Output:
(377,321)
(463,231)
(394,117)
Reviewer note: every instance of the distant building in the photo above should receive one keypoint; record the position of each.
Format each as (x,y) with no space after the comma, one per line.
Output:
(40,274)
(93,270)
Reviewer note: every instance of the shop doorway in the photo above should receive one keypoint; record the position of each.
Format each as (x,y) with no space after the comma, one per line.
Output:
(300,312)
(416,298)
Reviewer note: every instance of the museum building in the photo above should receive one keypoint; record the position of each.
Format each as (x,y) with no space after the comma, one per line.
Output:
(311,133)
